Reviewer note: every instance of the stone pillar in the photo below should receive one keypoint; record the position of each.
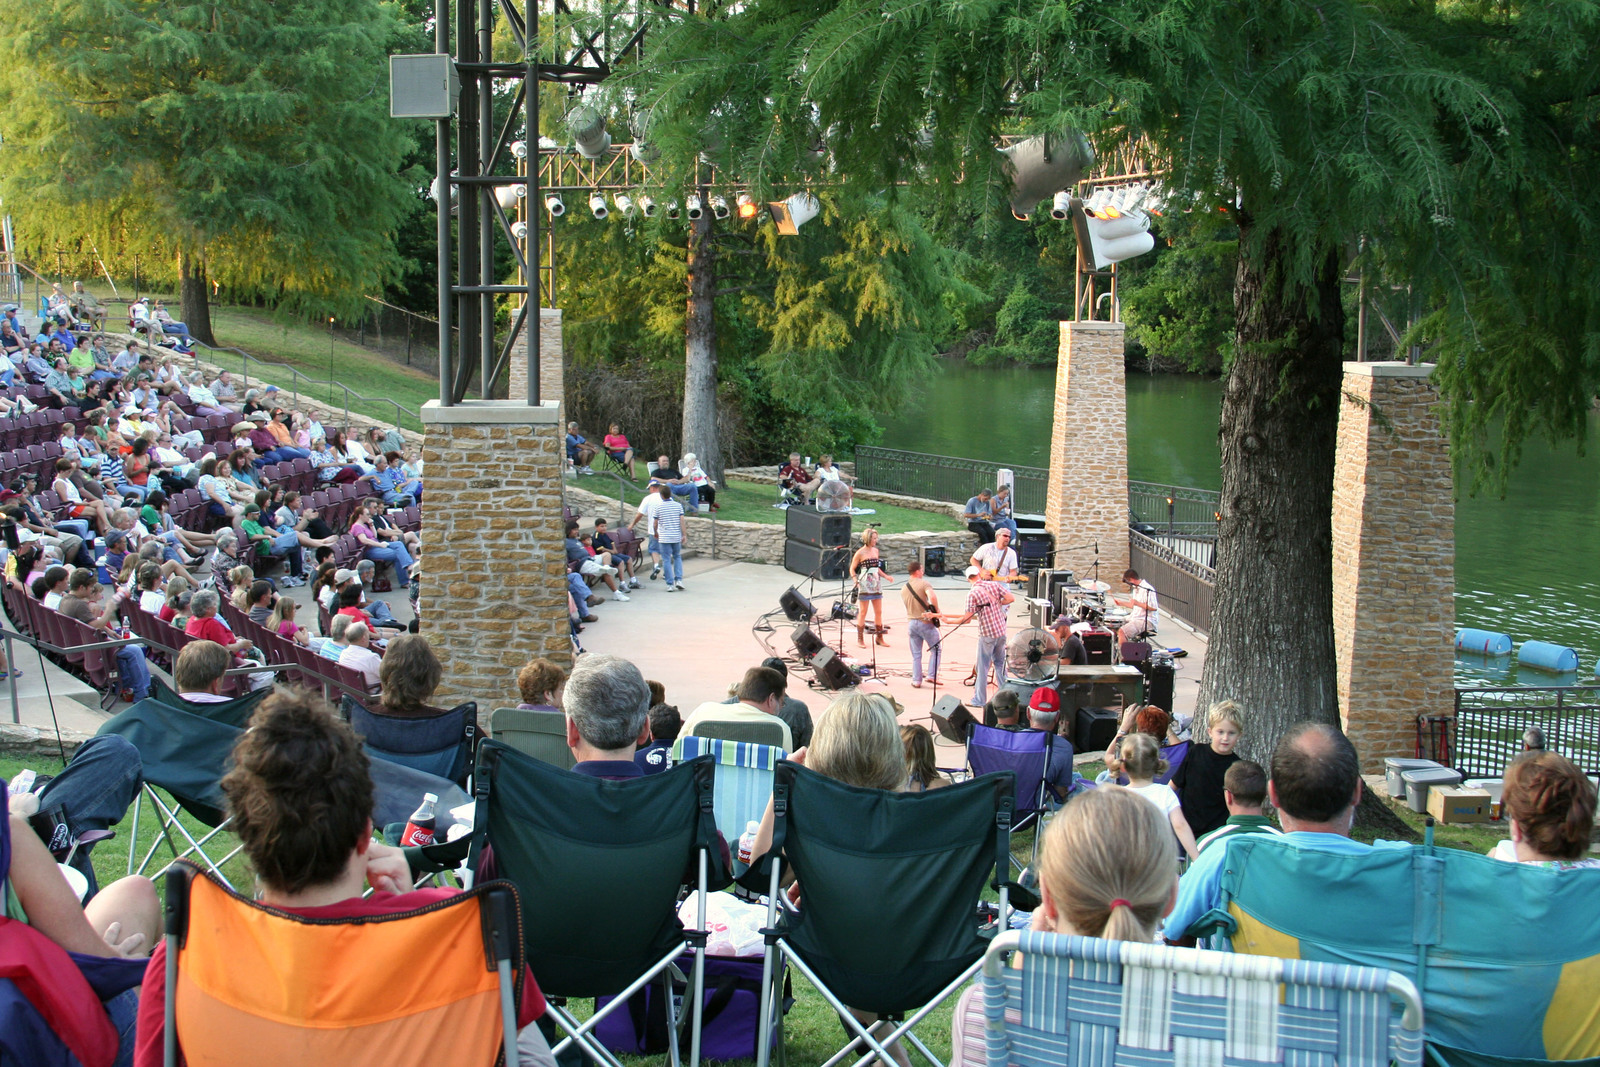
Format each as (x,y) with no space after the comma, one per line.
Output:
(1087,498)
(551,356)
(494,590)
(1393,559)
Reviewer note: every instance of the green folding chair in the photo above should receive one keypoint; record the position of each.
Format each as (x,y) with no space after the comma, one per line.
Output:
(535,732)
(890,885)
(621,851)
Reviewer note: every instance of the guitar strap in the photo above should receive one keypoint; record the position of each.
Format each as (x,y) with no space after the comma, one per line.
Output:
(925,605)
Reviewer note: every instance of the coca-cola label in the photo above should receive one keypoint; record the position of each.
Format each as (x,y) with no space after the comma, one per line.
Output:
(417,835)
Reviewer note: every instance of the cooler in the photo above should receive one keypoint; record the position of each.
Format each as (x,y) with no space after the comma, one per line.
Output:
(1396,766)
(1419,780)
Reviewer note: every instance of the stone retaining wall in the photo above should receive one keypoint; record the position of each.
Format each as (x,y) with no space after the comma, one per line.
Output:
(29,744)
(769,476)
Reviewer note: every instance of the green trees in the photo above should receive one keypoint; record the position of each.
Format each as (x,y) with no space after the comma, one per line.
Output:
(251,141)
(1319,123)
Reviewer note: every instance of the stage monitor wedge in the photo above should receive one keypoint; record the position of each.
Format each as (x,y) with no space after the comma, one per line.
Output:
(806,642)
(831,672)
(824,564)
(821,529)
(795,606)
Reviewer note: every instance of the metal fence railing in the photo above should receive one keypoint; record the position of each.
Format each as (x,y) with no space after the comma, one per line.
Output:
(1490,722)
(1186,588)
(373,407)
(1174,509)
(949,478)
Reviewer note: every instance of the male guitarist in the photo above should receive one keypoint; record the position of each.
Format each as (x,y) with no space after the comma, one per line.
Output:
(922,622)
(998,558)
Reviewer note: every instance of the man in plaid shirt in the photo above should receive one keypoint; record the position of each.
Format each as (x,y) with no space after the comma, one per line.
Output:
(987,601)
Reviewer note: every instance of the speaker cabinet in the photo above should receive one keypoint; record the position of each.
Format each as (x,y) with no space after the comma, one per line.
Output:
(1094,729)
(1034,551)
(1160,685)
(932,559)
(831,672)
(826,564)
(816,528)
(795,606)
(1098,644)
(806,642)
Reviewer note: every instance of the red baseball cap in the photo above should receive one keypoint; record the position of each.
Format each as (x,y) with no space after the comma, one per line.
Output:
(1045,699)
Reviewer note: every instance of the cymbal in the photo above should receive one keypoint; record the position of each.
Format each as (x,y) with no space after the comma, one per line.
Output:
(1092,586)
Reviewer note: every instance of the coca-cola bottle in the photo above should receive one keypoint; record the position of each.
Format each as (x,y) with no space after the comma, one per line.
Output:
(419,828)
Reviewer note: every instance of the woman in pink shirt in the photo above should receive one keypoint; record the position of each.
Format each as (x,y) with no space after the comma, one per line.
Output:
(617,448)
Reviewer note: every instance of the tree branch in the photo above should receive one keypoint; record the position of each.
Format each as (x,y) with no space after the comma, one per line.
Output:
(737,289)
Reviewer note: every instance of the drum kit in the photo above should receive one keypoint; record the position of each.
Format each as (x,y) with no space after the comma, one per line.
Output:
(1089,601)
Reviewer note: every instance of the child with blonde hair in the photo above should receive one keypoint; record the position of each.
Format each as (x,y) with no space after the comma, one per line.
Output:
(1199,779)
(1139,758)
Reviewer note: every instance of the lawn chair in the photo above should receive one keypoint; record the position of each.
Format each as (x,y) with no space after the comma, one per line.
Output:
(535,732)
(235,712)
(1095,1003)
(890,885)
(249,984)
(744,780)
(1506,955)
(442,745)
(1025,753)
(623,849)
(769,734)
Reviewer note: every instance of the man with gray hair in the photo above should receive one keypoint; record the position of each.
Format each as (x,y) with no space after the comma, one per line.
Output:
(608,716)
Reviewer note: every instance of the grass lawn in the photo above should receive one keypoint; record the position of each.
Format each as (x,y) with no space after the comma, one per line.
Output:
(743,501)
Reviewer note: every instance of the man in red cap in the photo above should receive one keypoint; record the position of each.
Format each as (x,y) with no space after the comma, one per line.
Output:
(1044,707)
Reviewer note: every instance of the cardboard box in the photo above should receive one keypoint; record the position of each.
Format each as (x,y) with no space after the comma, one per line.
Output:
(1458,804)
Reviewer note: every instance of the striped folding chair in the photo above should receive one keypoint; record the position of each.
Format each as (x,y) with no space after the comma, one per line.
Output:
(743,783)
(1094,1003)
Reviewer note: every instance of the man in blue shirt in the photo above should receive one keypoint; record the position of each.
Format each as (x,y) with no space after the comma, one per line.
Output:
(608,716)
(977,514)
(1315,784)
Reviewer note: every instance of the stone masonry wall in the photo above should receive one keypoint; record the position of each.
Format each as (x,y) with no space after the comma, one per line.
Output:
(1393,559)
(552,377)
(494,573)
(1086,499)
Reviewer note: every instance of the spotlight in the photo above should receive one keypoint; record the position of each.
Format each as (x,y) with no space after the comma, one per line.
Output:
(508,195)
(747,206)
(553,204)
(672,209)
(793,213)
(719,207)
(1061,206)
(519,149)
(647,207)
(519,230)
(1043,165)
(696,209)
(597,204)
(643,149)
(588,128)
(624,204)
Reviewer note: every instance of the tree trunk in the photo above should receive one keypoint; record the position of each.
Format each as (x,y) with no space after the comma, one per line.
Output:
(700,350)
(1271,645)
(194,298)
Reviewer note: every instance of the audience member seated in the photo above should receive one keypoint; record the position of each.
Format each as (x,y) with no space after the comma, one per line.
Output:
(697,476)
(794,481)
(589,565)
(827,472)
(409,674)
(300,792)
(204,624)
(665,724)
(603,548)
(1107,870)
(200,671)
(336,643)
(380,550)
(1006,709)
(1139,759)
(608,716)
(1244,790)
(922,773)
(358,654)
(81,603)
(760,695)
(1549,804)
(540,683)
(617,447)
(579,452)
(1044,709)
(978,515)
(377,610)
(664,473)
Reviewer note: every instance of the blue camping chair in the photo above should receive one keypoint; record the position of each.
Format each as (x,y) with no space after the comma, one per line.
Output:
(1026,754)
(743,782)
(1506,955)
(1095,1003)
(441,746)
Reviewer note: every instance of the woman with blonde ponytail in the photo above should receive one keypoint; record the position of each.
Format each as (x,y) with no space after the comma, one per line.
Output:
(1107,869)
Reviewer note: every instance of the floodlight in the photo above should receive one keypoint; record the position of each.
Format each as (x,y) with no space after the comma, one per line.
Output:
(747,206)
(1110,238)
(1044,165)
(508,195)
(519,230)
(647,207)
(672,209)
(597,204)
(719,207)
(794,212)
(624,204)
(1061,206)
(553,204)
(519,149)
(696,209)
(588,128)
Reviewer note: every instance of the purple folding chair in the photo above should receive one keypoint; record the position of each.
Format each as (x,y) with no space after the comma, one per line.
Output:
(1025,753)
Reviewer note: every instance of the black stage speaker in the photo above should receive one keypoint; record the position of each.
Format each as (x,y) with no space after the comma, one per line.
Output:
(1094,729)
(1159,685)
(1098,644)
(825,564)
(806,642)
(795,607)
(951,718)
(821,529)
(932,559)
(831,671)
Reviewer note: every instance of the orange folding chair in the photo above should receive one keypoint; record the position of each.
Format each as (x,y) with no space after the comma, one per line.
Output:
(248,985)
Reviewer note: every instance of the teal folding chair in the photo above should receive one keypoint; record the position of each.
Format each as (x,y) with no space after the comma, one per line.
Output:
(745,774)
(1097,1003)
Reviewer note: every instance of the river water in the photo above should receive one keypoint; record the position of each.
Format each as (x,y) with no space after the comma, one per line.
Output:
(1524,563)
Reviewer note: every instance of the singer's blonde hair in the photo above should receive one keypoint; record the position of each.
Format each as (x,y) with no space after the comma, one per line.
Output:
(1109,845)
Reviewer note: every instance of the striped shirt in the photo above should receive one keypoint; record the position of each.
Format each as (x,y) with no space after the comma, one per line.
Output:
(669,522)
(986,600)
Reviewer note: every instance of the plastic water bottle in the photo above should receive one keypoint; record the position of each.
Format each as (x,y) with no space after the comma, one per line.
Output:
(747,842)
(419,828)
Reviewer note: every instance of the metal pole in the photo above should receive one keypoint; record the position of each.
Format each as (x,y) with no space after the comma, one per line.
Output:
(487,142)
(530,97)
(11,665)
(468,202)
(441,163)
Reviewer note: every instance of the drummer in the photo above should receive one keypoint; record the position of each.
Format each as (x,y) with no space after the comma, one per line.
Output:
(998,558)
(1143,608)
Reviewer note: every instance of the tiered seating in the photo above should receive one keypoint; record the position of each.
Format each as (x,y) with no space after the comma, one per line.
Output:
(97,667)
(308,669)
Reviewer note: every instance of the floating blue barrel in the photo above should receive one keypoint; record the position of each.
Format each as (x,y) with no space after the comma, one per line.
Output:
(1483,642)
(1547,656)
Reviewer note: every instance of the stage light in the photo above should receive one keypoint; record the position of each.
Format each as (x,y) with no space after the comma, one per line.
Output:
(553,204)
(643,149)
(1061,206)
(519,149)
(624,204)
(1114,237)
(719,207)
(508,195)
(696,209)
(672,209)
(597,204)
(589,134)
(1043,165)
(747,206)
(519,230)
(647,207)
(793,213)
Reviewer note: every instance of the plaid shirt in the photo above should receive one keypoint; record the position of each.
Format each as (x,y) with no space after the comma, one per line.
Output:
(986,600)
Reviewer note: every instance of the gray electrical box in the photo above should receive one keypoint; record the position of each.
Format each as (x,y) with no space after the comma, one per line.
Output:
(422,87)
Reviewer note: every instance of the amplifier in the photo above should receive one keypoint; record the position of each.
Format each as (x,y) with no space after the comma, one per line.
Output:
(812,527)
(932,559)
(1044,584)
(826,564)
(1098,644)
(1034,550)
(1094,729)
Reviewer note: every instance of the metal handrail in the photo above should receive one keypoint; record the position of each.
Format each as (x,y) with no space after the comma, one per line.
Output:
(42,645)
(296,376)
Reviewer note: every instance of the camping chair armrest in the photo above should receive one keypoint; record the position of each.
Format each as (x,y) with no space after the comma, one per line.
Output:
(437,858)
(1020,896)
(1215,921)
